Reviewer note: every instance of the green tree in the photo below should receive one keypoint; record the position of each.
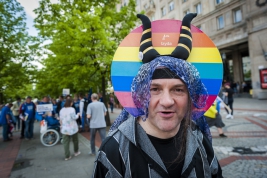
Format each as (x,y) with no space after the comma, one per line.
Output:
(16,48)
(84,36)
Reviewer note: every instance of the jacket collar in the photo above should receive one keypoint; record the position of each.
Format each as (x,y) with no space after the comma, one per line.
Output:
(137,135)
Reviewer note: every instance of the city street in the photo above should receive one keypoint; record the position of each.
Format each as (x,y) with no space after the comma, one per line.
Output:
(242,154)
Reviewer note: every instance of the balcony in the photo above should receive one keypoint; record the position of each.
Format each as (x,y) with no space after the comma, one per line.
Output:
(150,7)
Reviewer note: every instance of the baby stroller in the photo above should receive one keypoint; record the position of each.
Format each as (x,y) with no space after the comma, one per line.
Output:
(50,131)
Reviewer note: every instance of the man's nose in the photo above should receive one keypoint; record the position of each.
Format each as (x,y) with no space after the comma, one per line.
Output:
(166,99)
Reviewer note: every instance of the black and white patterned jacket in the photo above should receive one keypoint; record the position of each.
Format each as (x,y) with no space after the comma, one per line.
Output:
(127,152)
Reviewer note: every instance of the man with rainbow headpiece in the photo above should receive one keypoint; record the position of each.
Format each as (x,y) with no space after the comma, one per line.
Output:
(161,131)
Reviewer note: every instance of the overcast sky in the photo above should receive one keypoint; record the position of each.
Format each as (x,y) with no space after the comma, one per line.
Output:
(29,6)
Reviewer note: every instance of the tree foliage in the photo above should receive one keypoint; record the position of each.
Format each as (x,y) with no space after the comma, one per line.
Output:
(84,36)
(16,49)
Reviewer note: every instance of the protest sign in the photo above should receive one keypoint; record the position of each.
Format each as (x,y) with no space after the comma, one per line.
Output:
(44,108)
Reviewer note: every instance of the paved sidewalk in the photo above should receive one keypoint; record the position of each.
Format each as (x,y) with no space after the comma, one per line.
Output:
(8,154)
(30,159)
(243,153)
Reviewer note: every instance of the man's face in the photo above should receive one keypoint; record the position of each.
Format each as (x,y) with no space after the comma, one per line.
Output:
(28,100)
(45,99)
(168,105)
(227,86)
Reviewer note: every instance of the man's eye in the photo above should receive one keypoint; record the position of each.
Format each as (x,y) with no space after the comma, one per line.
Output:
(154,89)
(179,90)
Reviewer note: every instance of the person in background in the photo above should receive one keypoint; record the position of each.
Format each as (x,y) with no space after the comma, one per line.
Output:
(237,88)
(234,85)
(100,97)
(228,92)
(69,128)
(45,100)
(214,118)
(22,123)
(87,99)
(82,108)
(111,102)
(60,103)
(28,110)
(244,86)
(5,121)
(96,112)
(52,120)
(76,104)
(54,102)
(15,111)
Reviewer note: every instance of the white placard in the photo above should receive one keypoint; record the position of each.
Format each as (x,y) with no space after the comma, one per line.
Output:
(44,107)
(66,91)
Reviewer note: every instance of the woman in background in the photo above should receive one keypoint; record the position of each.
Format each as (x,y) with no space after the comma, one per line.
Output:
(214,118)
(111,102)
(69,128)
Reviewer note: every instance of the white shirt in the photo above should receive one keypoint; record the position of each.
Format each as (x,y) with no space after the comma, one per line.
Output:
(81,107)
(68,121)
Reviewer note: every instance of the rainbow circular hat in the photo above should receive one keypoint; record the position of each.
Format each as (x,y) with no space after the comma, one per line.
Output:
(169,38)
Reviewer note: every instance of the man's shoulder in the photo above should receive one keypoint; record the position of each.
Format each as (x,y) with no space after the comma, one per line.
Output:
(5,108)
(114,141)
(97,103)
(69,109)
(111,142)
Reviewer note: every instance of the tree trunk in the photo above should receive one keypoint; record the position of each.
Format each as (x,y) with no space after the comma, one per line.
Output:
(1,98)
(104,99)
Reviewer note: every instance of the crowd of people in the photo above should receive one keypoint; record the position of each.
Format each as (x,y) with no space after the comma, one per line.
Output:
(72,114)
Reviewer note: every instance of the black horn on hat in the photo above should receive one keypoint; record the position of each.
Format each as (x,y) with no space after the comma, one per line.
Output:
(183,49)
(147,52)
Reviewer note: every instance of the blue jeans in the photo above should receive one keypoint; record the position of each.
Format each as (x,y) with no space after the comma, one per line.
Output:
(18,121)
(111,107)
(84,120)
(5,128)
(29,128)
(102,132)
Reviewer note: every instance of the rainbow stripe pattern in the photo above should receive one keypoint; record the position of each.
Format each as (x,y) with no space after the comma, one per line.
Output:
(165,33)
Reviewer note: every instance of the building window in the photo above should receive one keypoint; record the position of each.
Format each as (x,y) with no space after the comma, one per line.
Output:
(171,6)
(198,8)
(184,1)
(219,1)
(163,11)
(220,22)
(152,18)
(145,6)
(186,12)
(237,15)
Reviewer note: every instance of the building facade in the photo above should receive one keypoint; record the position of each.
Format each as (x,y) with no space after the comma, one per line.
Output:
(237,27)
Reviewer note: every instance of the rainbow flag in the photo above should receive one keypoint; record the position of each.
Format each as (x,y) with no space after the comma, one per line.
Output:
(165,33)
